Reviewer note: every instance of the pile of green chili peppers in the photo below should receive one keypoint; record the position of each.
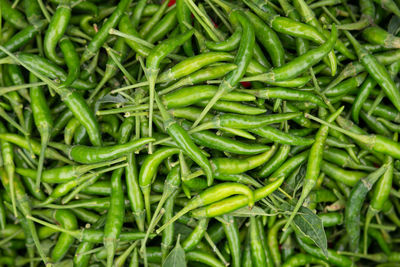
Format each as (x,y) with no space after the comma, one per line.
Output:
(199,133)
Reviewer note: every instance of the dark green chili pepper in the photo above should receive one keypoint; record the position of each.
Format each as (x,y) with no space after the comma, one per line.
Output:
(23,37)
(87,154)
(332,257)
(280,137)
(354,204)
(313,165)
(56,30)
(13,15)
(276,161)
(242,60)
(268,38)
(71,59)
(286,94)
(101,36)
(148,170)
(67,220)
(300,64)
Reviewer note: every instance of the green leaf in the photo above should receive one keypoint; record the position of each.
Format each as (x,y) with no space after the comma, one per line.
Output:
(246,212)
(182,230)
(394,25)
(176,258)
(294,181)
(309,226)
(113,99)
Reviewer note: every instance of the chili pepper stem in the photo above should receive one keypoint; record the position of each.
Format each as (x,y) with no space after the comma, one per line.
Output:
(362,138)
(151,77)
(6,117)
(210,104)
(75,234)
(183,211)
(8,89)
(156,218)
(91,179)
(11,237)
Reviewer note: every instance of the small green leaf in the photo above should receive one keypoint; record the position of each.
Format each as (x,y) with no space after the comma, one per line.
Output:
(182,230)
(246,212)
(394,25)
(308,225)
(176,258)
(294,181)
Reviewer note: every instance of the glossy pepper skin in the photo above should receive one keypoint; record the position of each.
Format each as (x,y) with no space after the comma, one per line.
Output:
(211,132)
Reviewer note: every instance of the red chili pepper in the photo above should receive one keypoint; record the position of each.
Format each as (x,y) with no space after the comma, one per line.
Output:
(246,84)
(171,2)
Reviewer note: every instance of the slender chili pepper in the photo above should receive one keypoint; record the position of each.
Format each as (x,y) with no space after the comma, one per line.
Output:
(237,166)
(101,36)
(163,27)
(276,161)
(153,20)
(232,234)
(203,257)
(211,140)
(332,257)
(229,44)
(213,194)
(89,235)
(376,143)
(153,67)
(171,185)
(71,59)
(23,37)
(242,60)
(111,66)
(148,170)
(246,121)
(230,204)
(286,94)
(24,207)
(354,204)
(257,248)
(300,64)
(381,195)
(302,259)
(116,213)
(8,163)
(68,220)
(89,155)
(196,235)
(168,233)
(43,121)
(376,35)
(56,30)
(280,137)
(134,193)
(13,15)
(138,12)
(268,38)
(313,165)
